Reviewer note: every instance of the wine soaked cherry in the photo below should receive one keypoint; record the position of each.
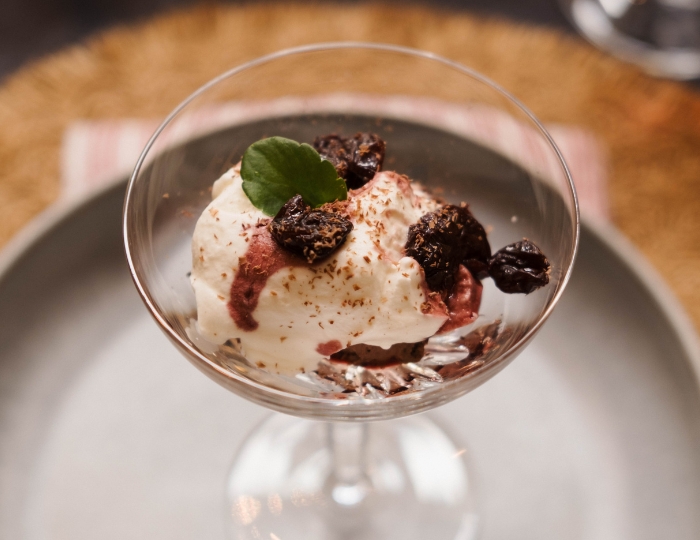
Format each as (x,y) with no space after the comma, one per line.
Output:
(310,233)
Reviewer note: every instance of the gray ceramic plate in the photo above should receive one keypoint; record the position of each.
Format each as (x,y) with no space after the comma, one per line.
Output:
(107,433)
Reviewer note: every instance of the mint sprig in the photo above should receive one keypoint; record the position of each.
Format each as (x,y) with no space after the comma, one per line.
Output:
(276,169)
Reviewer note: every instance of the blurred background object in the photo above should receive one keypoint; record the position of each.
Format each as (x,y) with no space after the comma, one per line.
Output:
(32,28)
(661,36)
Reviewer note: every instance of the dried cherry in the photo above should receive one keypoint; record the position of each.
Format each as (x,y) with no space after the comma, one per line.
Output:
(519,268)
(333,148)
(309,233)
(356,159)
(444,239)
(368,151)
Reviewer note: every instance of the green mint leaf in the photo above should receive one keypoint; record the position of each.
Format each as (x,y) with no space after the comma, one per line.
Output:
(276,169)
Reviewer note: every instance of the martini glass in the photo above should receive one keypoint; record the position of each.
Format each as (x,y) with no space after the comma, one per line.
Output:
(334,466)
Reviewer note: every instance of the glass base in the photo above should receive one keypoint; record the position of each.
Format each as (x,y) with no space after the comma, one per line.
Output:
(296,479)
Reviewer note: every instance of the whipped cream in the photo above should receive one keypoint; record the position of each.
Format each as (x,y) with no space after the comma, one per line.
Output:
(289,314)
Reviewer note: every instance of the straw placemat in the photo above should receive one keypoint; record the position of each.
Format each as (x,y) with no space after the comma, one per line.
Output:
(650,127)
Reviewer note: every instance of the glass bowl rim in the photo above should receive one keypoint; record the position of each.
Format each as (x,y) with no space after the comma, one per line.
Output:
(194,353)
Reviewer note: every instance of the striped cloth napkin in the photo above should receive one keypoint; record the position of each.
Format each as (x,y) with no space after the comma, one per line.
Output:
(98,153)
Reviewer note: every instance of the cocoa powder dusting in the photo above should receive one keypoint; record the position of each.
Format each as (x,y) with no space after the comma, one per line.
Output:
(433,304)
(262,259)
(403,183)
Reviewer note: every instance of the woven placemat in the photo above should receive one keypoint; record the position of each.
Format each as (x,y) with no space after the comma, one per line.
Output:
(650,127)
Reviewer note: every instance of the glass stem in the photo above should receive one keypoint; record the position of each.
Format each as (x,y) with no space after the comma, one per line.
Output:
(348,482)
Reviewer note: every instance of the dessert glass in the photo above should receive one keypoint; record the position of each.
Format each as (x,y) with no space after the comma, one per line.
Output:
(335,469)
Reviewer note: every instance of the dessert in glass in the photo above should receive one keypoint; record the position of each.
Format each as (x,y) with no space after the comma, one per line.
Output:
(350,233)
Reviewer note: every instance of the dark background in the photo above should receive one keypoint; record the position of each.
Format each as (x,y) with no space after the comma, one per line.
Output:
(32,28)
